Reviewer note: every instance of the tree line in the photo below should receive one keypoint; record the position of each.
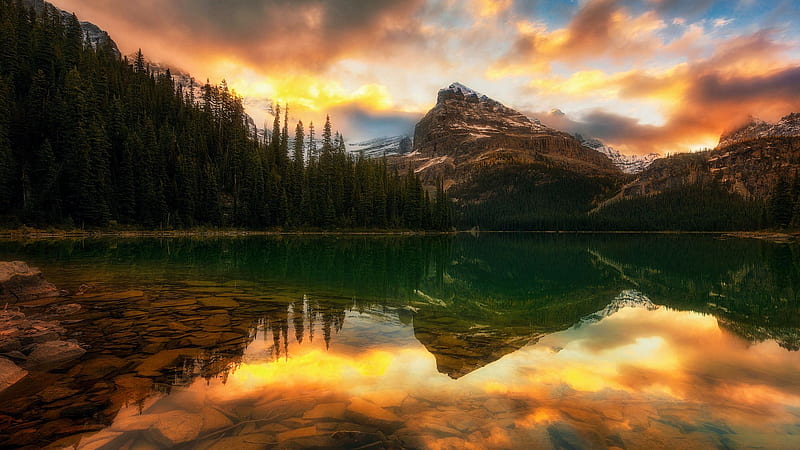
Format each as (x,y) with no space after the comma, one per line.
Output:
(89,139)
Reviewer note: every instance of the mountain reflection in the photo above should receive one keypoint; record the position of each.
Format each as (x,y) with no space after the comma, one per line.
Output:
(634,373)
(552,340)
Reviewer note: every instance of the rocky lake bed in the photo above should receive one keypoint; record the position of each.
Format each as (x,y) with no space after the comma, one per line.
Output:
(418,342)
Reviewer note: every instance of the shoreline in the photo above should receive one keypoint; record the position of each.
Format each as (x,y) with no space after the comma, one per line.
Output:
(37,234)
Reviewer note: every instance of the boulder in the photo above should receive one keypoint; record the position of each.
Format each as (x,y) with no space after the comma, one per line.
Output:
(10,373)
(175,428)
(19,282)
(154,364)
(53,353)
(363,411)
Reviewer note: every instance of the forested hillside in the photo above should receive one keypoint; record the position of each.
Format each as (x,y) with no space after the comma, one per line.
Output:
(88,139)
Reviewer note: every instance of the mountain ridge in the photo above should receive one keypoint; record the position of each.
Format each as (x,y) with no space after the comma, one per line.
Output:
(93,35)
(467,132)
(756,128)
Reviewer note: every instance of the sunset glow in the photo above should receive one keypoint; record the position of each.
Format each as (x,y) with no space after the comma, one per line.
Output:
(648,75)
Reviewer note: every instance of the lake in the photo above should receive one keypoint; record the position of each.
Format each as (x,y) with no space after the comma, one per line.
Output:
(490,341)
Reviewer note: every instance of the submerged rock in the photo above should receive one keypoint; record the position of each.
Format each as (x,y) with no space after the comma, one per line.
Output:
(370,413)
(20,282)
(10,373)
(153,365)
(53,353)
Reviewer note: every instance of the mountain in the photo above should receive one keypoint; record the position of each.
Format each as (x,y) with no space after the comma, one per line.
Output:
(627,163)
(756,128)
(730,187)
(748,168)
(93,35)
(506,169)
(748,162)
(467,131)
(383,146)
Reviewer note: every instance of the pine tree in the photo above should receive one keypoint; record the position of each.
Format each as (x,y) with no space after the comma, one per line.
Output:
(312,144)
(327,137)
(781,204)
(7,161)
(283,153)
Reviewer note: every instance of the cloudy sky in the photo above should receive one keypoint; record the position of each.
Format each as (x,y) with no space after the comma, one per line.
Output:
(643,75)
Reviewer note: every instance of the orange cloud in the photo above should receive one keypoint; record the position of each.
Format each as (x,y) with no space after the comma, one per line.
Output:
(599,29)
(277,35)
(746,75)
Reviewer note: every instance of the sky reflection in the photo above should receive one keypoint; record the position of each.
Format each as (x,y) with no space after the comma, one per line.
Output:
(638,377)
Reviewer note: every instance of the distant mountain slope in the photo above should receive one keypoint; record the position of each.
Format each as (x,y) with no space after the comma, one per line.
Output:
(383,146)
(627,163)
(756,128)
(92,34)
(749,168)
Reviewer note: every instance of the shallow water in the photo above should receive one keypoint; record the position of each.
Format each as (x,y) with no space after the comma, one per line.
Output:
(497,341)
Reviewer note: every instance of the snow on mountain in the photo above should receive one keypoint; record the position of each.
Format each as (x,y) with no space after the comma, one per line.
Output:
(465,91)
(626,163)
(383,146)
(93,35)
(628,298)
(756,128)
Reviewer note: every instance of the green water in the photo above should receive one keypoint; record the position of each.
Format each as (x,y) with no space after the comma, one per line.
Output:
(495,341)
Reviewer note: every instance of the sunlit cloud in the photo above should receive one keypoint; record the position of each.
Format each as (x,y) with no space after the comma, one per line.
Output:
(671,74)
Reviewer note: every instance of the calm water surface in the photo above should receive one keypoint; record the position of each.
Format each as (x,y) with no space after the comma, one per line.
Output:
(497,341)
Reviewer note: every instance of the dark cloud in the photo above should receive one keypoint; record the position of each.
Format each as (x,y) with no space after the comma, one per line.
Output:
(712,104)
(714,88)
(611,128)
(263,33)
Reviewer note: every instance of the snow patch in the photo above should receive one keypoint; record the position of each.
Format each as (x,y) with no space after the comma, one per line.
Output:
(430,163)
(628,298)
(626,163)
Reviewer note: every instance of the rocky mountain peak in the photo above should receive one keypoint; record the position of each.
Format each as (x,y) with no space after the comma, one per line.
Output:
(756,128)
(461,92)
(467,134)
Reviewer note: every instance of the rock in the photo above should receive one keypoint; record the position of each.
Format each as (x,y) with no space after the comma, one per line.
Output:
(52,353)
(218,302)
(213,419)
(53,393)
(10,344)
(70,308)
(113,296)
(326,411)
(176,427)
(218,320)
(368,412)
(152,366)
(254,441)
(387,399)
(10,373)
(19,282)
(99,367)
(103,439)
(298,433)
(81,411)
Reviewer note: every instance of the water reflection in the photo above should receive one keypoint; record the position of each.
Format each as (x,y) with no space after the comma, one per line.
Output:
(633,375)
(499,341)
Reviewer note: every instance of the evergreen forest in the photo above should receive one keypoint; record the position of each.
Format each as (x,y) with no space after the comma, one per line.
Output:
(91,139)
